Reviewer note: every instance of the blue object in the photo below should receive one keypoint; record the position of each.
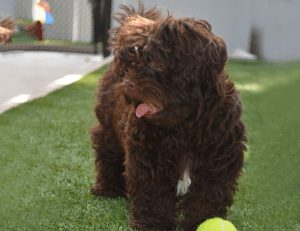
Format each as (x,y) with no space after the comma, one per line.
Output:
(49,19)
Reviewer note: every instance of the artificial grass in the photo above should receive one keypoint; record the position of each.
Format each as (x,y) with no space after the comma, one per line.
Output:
(47,167)
(23,38)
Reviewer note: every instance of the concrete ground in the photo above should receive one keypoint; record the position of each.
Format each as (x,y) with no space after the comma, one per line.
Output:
(28,75)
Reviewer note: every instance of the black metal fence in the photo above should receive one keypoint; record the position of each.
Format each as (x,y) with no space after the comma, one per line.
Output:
(74,25)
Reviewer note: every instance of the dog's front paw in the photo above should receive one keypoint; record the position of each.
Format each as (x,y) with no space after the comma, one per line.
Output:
(97,190)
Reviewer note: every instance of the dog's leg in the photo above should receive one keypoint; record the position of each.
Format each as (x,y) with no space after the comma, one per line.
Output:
(151,184)
(109,160)
(212,188)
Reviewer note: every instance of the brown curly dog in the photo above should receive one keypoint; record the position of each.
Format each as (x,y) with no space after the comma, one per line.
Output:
(169,122)
(6,30)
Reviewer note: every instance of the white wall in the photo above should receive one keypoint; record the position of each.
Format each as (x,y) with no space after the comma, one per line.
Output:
(24,9)
(85,21)
(7,8)
(278,22)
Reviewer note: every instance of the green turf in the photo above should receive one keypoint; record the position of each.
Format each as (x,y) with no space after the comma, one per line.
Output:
(46,160)
(23,38)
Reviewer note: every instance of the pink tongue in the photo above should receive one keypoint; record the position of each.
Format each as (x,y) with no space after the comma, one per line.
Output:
(142,110)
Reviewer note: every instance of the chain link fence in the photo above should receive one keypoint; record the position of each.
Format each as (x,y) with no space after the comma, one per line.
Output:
(72,29)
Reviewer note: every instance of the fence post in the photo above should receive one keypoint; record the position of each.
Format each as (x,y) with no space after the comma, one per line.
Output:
(107,24)
(102,22)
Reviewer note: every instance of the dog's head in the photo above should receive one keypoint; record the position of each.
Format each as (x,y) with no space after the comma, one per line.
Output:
(166,65)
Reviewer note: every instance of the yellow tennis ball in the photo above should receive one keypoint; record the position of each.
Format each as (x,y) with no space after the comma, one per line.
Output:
(216,224)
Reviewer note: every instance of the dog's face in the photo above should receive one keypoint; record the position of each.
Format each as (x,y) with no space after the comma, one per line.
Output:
(166,65)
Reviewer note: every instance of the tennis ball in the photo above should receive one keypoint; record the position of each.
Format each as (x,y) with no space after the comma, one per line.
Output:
(216,224)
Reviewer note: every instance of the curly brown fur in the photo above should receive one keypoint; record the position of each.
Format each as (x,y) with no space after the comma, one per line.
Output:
(6,30)
(166,105)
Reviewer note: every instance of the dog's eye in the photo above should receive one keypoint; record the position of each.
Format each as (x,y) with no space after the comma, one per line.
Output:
(134,50)
(131,50)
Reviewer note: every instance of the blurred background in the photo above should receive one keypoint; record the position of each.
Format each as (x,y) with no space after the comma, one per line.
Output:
(268,29)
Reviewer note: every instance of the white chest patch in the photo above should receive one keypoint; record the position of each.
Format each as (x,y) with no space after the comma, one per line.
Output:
(184,183)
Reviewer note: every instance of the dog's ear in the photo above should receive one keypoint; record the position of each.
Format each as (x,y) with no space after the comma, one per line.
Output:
(217,54)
